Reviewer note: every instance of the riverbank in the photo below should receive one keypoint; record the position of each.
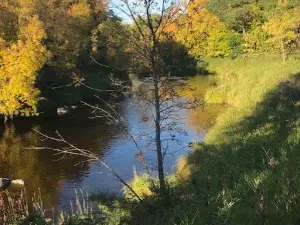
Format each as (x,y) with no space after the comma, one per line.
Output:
(246,170)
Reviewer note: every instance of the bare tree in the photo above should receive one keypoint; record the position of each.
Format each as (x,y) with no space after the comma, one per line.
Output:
(150,19)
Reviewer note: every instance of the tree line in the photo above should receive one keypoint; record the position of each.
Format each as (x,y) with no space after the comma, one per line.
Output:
(232,27)
(68,36)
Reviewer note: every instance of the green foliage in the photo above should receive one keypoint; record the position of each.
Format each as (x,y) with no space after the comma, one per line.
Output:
(67,27)
(235,43)
(173,56)
(176,59)
(67,93)
(83,220)
(77,33)
(109,44)
(115,213)
(255,40)
(237,15)
(35,220)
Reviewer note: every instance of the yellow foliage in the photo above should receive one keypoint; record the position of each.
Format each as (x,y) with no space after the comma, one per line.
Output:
(197,5)
(255,39)
(18,69)
(26,8)
(33,32)
(79,10)
(282,29)
(283,3)
(141,186)
(203,32)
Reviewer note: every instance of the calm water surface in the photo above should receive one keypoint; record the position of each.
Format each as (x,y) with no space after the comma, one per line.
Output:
(57,178)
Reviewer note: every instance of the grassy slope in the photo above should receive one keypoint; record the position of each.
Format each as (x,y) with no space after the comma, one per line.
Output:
(243,83)
(247,170)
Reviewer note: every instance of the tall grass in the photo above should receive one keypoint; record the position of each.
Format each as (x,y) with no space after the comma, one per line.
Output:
(15,210)
(244,82)
(18,210)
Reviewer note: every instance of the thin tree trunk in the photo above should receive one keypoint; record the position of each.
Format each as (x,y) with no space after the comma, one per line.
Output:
(160,167)
(156,78)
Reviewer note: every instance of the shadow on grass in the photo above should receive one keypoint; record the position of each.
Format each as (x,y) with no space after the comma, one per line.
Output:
(253,177)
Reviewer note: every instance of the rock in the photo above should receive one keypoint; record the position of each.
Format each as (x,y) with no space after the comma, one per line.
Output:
(74,106)
(62,111)
(18,182)
(4,182)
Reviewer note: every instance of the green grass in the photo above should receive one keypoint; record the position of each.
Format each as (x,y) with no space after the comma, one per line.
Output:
(247,170)
(251,175)
(244,82)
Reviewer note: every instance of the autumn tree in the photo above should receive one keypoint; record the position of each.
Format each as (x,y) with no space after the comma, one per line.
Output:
(20,61)
(68,25)
(255,39)
(150,22)
(282,30)
(202,32)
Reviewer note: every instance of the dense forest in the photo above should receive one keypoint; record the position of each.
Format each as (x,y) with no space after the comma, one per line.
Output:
(44,43)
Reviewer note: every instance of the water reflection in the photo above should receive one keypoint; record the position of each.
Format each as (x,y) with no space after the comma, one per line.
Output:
(57,177)
(203,118)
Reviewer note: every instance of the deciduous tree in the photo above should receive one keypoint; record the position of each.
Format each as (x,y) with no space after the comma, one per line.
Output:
(19,64)
(203,33)
(282,30)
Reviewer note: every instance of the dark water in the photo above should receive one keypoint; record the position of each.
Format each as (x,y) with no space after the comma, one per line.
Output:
(57,177)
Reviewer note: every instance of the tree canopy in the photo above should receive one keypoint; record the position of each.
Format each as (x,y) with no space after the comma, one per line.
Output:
(67,36)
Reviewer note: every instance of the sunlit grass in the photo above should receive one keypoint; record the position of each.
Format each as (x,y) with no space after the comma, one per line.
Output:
(242,83)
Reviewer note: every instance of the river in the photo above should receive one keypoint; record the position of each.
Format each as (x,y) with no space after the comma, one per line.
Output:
(57,177)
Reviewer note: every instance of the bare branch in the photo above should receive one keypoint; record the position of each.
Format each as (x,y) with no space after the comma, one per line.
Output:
(71,149)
